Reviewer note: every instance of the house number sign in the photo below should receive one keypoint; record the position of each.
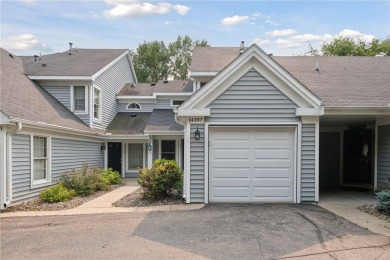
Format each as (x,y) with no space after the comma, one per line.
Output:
(196,120)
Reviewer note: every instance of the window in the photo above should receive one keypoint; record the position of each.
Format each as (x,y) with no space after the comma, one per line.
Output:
(135,156)
(96,104)
(79,99)
(176,103)
(40,160)
(133,106)
(168,149)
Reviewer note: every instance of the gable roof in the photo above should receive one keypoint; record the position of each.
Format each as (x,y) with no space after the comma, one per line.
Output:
(251,58)
(22,99)
(147,89)
(82,62)
(342,81)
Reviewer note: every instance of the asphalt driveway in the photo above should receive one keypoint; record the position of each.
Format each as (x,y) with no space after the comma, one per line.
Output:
(225,231)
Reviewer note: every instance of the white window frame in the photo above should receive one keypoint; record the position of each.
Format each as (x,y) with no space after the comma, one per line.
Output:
(99,118)
(143,156)
(172,105)
(133,109)
(72,100)
(42,182)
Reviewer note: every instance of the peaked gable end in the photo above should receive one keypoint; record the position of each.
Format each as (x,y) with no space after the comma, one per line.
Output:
(252,97)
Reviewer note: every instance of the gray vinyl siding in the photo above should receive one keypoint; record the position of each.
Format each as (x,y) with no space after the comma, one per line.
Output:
(111,82)
(308,163)
(383,164)
(69,154)
(197,149)
(21,168)
(252,98)
(156,149)
(61,93)
(146,107)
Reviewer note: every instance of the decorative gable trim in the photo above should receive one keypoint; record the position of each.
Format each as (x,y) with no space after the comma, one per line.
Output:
(252,58)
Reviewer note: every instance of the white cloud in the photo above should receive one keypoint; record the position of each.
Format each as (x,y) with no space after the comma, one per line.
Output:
(262,42)
(287,44)
(269,21)
(284,32)
(24,42)
(355,35)
(236,19)
(140,8)
(311,37)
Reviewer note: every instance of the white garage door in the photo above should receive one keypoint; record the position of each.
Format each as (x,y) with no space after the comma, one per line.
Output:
(251,164)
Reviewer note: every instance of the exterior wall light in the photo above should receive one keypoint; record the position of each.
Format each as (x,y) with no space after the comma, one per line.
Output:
(149,146)
(103,147)
(197,134)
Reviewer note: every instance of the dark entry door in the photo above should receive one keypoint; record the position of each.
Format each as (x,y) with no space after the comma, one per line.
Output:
(115,156)
(357,156)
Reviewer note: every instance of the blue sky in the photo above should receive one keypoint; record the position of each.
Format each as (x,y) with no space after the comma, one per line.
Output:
(279,27)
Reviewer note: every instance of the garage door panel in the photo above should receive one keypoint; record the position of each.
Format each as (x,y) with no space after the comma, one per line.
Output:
(227,154)
(231,173)
(251,164)
(271,192)
(272,173)
(271,153)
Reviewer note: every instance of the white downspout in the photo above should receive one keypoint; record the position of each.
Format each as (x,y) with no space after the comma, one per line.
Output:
(185,166)
(8,177)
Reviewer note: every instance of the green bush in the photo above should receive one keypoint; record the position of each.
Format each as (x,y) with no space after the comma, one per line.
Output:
(57,193)
(383,198)
(84,181)
(164,179)
(110,176)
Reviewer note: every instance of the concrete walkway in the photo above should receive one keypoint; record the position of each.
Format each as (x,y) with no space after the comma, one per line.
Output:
(103,204)
(345,203)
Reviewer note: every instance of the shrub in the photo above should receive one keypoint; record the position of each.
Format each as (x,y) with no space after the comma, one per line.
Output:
(110,176)
(83,181)
(57,193)
(162,180)
(383,198)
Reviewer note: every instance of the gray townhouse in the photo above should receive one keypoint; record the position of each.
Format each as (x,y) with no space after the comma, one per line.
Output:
(247,126)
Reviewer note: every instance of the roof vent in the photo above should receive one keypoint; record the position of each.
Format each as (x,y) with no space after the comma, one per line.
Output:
(132,85)
(70,48)
(12,56)
(317,66)
(242,47)
(153,83)
(133,115)
(44,64)
(165,81)
(270,54)
(35,58)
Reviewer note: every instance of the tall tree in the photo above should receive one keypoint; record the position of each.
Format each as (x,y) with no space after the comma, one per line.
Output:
(345,46)
(181,56)
(151,61)
(154,60)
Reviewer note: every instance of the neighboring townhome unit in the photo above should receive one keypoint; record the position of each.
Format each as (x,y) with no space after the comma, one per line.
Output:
(54,112)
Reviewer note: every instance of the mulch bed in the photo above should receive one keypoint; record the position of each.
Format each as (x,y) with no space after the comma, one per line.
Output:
(136,199)
(372,210)
(39,205)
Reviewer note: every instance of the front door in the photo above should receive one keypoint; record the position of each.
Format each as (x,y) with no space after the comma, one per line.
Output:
(357,156)
(115,156)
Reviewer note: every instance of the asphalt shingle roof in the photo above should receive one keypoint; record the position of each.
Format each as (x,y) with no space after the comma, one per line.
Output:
(340,81)
(21,98)
(146,89)
(83,62)
(128,123)
(163,120)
